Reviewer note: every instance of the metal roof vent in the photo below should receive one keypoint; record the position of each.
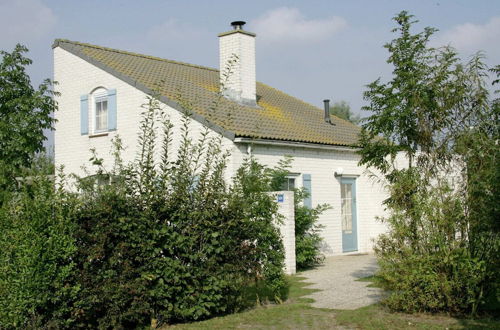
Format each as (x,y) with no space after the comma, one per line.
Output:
(238,25)
(327,112)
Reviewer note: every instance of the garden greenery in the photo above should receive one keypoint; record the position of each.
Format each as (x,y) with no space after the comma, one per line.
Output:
(308,240)
(25,112)
(441,251)
(162,239)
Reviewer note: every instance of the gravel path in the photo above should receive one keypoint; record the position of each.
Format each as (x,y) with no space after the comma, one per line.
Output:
(337,281)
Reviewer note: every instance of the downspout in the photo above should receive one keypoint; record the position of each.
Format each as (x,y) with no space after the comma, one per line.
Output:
(249,150)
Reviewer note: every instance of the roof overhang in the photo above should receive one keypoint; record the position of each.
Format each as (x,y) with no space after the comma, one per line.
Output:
(292,144)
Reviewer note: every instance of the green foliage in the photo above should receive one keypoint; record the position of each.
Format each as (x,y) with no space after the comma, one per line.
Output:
(169,240)
(159,240)
(36,244)
(25,112)
(307,230)
(343,110)
(162,239)
(428,261)
(441,251)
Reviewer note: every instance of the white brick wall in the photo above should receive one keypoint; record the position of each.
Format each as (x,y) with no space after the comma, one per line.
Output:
(287,228)
(241,84)
(77,77)
(321,164)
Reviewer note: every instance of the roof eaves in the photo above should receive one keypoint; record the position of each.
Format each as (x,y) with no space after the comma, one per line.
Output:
(297,144)
(69,46)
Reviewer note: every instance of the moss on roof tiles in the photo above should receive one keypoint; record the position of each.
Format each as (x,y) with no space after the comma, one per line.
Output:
(278,117)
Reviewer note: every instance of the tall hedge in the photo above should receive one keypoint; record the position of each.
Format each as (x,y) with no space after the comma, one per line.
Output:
(160,240)
(37,246)
(169,240)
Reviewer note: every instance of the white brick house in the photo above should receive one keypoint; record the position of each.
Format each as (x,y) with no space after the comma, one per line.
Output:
(102,91)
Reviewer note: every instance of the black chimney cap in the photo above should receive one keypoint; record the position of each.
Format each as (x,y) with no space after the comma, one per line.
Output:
(238,25)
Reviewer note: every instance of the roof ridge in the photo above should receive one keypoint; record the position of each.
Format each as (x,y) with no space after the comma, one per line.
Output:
(57,41)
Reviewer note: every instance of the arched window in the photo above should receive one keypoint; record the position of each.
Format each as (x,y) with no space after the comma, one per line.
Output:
(98,111)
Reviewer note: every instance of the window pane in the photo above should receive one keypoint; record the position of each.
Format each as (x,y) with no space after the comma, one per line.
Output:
(101,115)
(288,184)
(348,191)
(346,207)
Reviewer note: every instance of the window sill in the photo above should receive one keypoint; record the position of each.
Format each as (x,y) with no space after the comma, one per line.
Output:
(95,135)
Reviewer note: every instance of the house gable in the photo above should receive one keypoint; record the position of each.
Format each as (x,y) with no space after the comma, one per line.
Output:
(77,77)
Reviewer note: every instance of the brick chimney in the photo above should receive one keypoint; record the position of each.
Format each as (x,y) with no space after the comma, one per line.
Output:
(237,64)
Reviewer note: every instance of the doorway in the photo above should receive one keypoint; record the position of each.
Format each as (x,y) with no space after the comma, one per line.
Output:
(348,214)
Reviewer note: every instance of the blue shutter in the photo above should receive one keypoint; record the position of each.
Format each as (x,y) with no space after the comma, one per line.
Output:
(84,114)
(306,183)
(112,109)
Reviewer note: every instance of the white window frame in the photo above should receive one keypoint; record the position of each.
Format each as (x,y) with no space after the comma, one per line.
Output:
(99,95)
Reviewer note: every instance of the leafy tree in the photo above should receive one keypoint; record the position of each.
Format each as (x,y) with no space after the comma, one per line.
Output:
(25,112)
(441,251)
(343,110)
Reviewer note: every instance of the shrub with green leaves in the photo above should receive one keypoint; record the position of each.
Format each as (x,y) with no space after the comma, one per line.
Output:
(169,240)
(162,239)
(36,248)
(307,230)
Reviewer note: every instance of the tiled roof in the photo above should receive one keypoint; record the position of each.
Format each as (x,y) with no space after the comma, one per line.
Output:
(278,116)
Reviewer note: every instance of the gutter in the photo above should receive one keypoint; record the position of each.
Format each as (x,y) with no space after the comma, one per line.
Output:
(289,144)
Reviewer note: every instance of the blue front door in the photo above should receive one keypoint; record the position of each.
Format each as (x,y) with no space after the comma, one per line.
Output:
(348,214)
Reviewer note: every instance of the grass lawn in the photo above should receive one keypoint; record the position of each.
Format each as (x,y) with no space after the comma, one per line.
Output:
(296,313)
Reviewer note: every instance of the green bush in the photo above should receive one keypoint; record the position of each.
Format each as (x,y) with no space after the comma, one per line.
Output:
(428,261)
(307,230)
(170,241)
(36,266)
(432,283)
(160,240)
(307,238)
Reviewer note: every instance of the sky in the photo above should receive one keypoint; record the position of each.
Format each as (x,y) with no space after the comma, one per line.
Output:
(313,50)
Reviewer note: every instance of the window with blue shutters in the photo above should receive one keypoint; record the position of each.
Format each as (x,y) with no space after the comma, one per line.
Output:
(98,111)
